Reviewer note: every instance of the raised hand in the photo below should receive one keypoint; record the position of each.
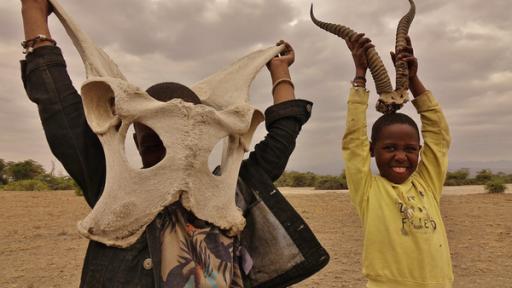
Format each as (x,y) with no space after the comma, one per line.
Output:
(35,20)
(286,57)
(407,54)
(359,45)
(282,85)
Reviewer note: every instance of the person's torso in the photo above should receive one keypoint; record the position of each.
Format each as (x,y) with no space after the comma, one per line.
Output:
(404,236)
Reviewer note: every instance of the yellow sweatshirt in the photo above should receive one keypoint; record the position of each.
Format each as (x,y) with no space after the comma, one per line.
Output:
(405,243)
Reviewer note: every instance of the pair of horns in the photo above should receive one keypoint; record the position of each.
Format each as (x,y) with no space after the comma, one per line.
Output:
(390,100)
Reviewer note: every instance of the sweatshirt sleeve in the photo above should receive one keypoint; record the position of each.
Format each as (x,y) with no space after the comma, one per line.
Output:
(48,84)
(356,148)
(284,122)
(436,137)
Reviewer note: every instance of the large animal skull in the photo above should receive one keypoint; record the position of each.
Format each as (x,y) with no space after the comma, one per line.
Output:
(133,197)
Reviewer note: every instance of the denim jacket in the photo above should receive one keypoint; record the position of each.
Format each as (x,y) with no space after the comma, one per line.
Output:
(283,248)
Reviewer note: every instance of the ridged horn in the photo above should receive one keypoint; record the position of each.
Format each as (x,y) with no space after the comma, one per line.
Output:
(377,68)
(402,73)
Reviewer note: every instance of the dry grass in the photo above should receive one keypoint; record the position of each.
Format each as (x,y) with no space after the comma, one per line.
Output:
(39,245)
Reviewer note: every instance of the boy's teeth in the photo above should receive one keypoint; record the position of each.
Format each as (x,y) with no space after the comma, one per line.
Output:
(399,169)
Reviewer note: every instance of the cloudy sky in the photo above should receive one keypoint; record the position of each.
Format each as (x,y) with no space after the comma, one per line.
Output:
(463,46)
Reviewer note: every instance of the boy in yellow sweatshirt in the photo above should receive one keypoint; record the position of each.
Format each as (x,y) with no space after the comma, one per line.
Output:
(405,243)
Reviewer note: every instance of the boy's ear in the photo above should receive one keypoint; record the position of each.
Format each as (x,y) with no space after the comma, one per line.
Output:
(372,149)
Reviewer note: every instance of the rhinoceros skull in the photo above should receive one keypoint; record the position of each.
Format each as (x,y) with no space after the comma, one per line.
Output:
(133,197)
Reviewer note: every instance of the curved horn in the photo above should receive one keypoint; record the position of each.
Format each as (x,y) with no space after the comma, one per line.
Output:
(377,68)
(402,73)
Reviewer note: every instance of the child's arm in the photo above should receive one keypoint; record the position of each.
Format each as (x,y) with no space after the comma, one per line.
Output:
(436,136)
(283,120)
(356,146)
(48,84)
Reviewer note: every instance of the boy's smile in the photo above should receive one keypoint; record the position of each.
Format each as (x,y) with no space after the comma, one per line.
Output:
(396,152)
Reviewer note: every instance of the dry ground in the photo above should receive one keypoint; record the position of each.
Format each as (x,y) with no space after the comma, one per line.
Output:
(39,245)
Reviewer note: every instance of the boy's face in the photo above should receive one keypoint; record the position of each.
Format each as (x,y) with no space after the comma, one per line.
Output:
(396,152)
(151,148)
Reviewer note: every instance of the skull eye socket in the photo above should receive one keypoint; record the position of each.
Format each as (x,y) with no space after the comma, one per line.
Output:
(99,105)
(215,157)
(145,149)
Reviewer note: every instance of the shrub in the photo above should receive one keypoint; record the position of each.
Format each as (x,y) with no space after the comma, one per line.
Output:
(296,179)
(3,176)
(458,182)
(460,174)
(483,176)
(26,185)
(457,177)
(57,182)
(330,183)
(496,185)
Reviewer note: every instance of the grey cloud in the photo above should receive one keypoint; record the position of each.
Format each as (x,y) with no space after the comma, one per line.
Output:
(461,47)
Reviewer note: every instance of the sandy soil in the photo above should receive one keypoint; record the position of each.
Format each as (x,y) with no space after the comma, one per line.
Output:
(39,245)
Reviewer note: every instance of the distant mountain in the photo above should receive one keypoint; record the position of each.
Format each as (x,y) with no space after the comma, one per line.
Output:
(475,166)
(335,167)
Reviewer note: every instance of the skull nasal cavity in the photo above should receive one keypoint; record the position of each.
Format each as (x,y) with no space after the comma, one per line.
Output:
(167,91)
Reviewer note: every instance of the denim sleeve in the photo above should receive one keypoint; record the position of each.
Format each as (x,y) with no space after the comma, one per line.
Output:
(47,84)
(283,122)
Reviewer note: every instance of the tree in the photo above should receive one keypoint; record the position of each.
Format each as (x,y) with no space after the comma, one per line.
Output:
(457,177)
(483,176)
(3,177)
(24,170)
(330,183)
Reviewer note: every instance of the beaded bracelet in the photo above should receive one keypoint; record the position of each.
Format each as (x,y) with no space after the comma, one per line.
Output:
(362,78)
(357,84)
(282,80)
(28,45)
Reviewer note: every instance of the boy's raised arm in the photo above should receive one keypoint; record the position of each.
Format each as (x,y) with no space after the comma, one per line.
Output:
(283,120)
(356,146)
(60,106)
(35,21)
(434,128)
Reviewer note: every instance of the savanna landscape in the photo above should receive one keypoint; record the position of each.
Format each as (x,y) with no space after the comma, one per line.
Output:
(40,247)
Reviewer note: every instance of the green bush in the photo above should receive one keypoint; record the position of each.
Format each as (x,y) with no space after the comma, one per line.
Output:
(26,185)
(57,182)
(330,183)
(296,179)
(459,182)
(496,185)
(457,177)
(3,176)
(483,176)
(23,170)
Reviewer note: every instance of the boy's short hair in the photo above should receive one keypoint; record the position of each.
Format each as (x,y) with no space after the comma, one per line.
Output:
(166,91)
(390,119)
